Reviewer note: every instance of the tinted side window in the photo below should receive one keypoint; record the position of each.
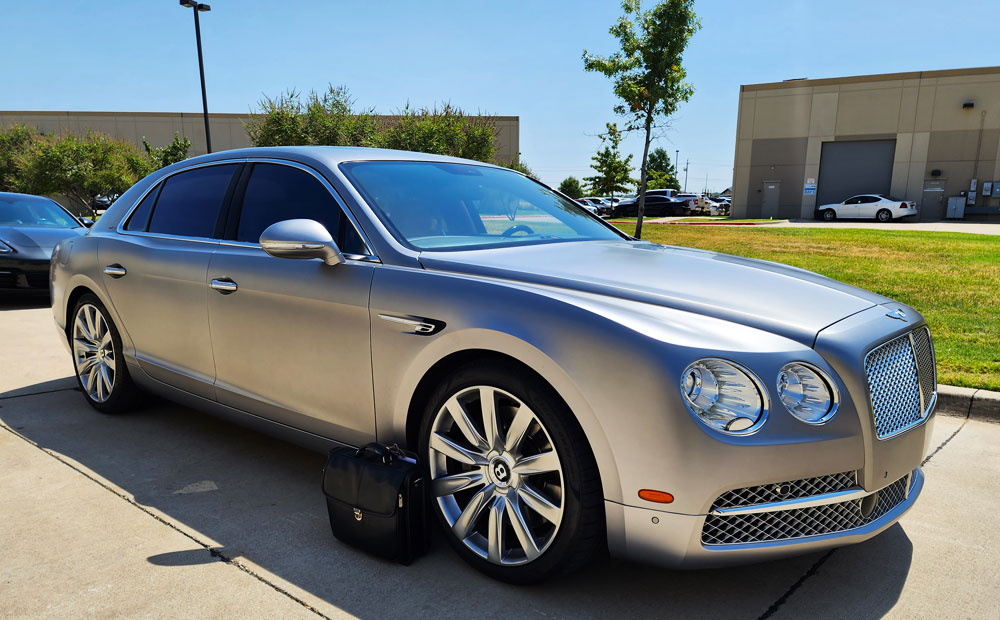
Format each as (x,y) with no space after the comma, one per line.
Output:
(275,193)
(189,202)
(140,217)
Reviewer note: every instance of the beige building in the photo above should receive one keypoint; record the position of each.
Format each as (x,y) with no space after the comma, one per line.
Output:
(923,136)
(159,128)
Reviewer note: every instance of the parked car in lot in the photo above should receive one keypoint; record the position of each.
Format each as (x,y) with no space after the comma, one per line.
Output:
(656,205)
(30,226)
(868,206)
(337,296)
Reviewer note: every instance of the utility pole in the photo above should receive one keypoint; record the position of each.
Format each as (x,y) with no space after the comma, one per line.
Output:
(687,162)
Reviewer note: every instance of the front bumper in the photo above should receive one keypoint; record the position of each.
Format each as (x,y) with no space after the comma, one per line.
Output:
(20,275)
(676,540)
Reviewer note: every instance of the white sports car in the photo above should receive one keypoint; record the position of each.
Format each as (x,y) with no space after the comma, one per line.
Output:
(868,206)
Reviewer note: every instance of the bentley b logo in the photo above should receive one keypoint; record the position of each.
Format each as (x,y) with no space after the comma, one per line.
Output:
(897,314)
(500,471)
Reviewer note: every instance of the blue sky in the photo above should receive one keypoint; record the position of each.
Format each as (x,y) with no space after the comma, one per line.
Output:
(513,58)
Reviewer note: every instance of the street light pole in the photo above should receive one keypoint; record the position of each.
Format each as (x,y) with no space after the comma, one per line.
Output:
(198,8)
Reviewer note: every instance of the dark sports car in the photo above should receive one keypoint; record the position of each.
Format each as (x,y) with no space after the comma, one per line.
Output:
(30,226)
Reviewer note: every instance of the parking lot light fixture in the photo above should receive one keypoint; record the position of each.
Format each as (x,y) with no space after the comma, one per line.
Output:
(198,7)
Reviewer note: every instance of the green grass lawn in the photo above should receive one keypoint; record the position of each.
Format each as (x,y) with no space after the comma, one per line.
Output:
(953,279)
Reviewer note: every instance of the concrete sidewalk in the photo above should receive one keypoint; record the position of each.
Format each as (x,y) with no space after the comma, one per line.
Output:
(171,513)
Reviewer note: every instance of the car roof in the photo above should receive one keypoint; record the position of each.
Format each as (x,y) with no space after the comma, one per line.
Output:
(331,155)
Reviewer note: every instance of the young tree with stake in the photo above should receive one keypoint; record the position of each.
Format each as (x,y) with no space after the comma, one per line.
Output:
(647,72)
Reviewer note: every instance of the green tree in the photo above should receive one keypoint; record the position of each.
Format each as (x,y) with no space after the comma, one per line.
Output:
(168,155)
(661,174)
(326,119)
(15,141)
(571,187)
(647,73)
(613,170)
(332,119)
(81,167)
(518,164)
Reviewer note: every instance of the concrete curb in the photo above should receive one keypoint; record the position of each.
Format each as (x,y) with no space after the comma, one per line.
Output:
(969,403)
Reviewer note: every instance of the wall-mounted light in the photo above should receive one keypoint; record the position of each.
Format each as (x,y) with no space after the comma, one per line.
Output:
(968,105)
(935,173)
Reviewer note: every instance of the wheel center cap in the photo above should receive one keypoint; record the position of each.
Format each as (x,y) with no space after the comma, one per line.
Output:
(500,471)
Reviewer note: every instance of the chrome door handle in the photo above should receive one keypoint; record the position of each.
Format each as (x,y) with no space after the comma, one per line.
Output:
(223,286)
(115,271)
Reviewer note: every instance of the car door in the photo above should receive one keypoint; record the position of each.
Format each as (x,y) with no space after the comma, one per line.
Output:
(291,337)
(868,206)
(154,272)
(850,207)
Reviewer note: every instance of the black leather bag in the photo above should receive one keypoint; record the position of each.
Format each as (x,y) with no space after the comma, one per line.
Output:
(377,500)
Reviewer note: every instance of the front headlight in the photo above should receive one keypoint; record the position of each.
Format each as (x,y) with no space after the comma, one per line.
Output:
(4,248)
(807,393)
(724,396)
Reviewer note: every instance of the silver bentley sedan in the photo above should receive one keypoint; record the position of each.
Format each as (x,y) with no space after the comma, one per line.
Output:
(569,389)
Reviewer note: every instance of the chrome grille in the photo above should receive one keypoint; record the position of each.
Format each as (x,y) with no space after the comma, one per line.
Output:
(802,522)
(901,382)
(793,489)
(926,364)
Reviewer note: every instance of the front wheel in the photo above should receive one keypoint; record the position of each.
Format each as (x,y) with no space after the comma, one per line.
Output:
(513,481)
(883,215)
(829,215)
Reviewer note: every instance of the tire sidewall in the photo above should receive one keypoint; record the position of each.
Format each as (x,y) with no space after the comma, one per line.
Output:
(120,391)
(883,216)
(553,415)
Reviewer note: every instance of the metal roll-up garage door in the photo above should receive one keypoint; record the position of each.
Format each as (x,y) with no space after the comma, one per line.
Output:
(854,167)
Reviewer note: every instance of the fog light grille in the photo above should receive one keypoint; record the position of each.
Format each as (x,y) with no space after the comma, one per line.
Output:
(801,522)
(793,489)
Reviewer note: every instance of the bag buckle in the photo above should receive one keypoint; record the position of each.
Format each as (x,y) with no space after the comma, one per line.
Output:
(357,514)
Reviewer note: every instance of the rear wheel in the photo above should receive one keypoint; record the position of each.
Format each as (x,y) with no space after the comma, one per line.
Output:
(884,215)
(829,215)
(513,481)
(101,372)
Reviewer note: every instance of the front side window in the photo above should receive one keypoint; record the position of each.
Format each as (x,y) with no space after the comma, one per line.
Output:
(20,210)
(450,206)
(276,192)
(189,203)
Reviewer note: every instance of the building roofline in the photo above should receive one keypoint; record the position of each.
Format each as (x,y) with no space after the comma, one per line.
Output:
(878,77)
(184,114)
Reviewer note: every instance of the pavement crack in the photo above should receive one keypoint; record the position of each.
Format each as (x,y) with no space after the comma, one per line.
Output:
(214,551)
(776,605)
(66,389)
(945,442)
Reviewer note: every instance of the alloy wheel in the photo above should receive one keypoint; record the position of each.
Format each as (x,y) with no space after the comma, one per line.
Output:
(94,353)
(496,475)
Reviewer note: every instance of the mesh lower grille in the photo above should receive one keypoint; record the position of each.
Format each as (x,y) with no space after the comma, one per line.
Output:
(793,489)
(923,350)
(801,522)
(894,384)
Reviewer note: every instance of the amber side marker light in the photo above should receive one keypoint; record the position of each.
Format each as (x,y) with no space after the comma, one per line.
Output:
(660,497)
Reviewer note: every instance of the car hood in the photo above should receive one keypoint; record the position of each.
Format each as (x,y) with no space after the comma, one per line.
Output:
(785,300)
(37,239)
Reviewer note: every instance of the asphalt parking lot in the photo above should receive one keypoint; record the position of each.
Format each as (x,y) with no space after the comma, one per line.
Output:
(171,513)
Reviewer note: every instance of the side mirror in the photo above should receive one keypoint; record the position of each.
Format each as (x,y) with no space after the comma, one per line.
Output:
(87,222)
(300,239)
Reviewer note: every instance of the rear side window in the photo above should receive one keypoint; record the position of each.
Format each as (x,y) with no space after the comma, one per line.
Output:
(140,217)
(189,202)
(276,192)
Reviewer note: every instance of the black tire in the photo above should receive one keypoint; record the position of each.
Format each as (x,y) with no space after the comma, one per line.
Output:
(582,533)
(125,395)
(884,215)
(828,215)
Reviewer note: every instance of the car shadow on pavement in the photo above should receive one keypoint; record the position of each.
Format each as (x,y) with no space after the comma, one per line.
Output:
(257,500)
(24,302)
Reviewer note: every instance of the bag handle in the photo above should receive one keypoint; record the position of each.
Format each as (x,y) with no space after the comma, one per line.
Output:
(376,450)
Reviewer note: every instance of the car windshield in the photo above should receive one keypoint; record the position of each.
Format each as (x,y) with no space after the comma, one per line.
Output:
(450,206)
(33,211)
